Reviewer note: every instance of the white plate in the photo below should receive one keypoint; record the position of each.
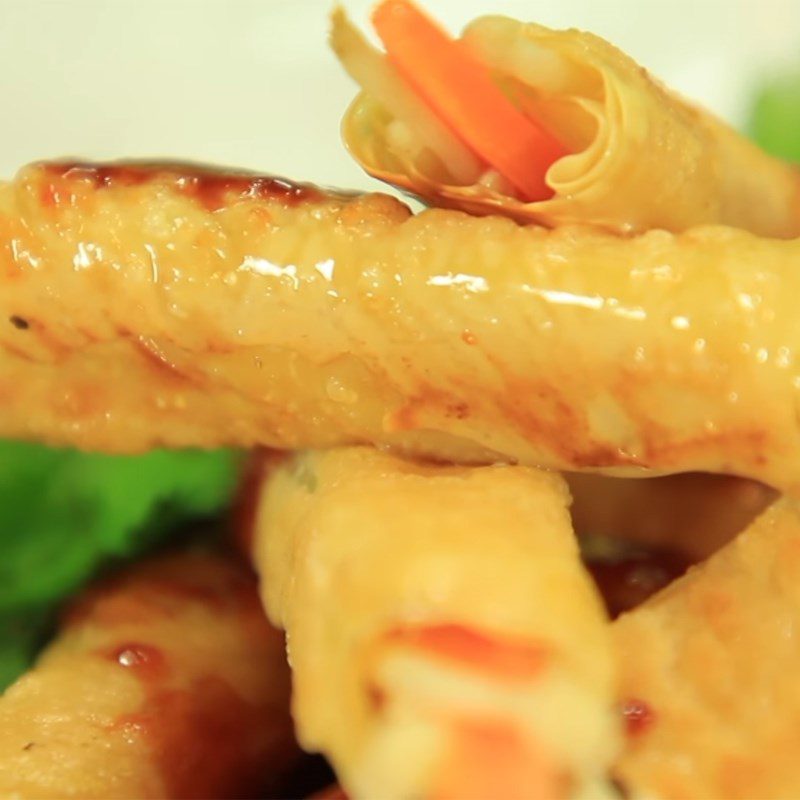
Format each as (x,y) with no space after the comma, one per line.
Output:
(252,82)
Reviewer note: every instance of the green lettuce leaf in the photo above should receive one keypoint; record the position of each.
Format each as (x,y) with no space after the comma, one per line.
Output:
(65,515)
(775,120)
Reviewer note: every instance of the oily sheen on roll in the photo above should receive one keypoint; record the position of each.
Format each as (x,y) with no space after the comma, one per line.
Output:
(175,306)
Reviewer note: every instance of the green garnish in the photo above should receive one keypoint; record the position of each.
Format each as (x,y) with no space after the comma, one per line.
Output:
(775,120)
(64,515)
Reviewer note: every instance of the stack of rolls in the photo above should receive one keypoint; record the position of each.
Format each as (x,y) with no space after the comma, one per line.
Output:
(427,388)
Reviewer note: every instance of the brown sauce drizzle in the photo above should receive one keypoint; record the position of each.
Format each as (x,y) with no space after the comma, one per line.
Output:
(210,188)
(147,662)
(638,716)
(205,740)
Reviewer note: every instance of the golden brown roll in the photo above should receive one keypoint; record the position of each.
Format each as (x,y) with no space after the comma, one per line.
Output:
(180,307)
(445,640)
(640,157)
(165,681)
(709,673)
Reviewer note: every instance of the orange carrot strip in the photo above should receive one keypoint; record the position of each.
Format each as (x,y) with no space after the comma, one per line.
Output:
(489,759)
(505,658)
(460,91)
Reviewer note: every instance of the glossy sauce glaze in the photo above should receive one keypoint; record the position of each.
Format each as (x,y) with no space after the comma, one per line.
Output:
(211,188)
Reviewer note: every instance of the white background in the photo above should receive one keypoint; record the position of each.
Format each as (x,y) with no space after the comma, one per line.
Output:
(252,82)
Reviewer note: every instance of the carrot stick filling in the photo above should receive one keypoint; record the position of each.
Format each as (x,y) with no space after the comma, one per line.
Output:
(506,658)
(461,93)
(489,759)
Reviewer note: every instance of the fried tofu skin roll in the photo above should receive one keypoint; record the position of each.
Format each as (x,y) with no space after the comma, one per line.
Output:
(154,306)
(164,682)
(709,673)
(444,638)
(552,127)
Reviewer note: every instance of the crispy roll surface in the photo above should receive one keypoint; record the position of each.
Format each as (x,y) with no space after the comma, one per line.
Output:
(444,637)
(177,307)
(163,682)
(709,673)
